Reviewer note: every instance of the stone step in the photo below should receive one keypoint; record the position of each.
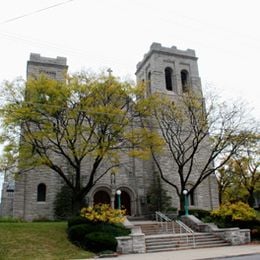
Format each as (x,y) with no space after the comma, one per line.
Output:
(182,240)
(157,228)
(151,250)
(198,236)
(176,242)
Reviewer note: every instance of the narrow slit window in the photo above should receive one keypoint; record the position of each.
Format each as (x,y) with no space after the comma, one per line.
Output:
(192,198)
(184,80)
(168,78)
(149,83)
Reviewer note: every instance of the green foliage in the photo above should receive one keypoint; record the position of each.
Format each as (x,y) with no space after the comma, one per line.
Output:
(84,116)
(255,233)
(253,225)
(10,220)
(100,241)
(77,233)
(77,220)
(199,213)
(63,204)
(234,212)
(157,198)
(114,229)
(239,178)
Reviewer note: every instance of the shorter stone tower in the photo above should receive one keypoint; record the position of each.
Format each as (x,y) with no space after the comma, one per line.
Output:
(35,190)
(53,68)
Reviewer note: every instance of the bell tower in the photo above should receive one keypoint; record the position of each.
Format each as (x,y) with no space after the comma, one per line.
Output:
(169,71)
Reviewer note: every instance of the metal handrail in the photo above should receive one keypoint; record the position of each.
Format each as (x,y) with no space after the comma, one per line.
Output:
(160,216)
(185,227)
(188,231)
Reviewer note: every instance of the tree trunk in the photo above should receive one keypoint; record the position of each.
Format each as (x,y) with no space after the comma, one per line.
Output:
(220,194)
(251,199)
(77,204)
(182,203)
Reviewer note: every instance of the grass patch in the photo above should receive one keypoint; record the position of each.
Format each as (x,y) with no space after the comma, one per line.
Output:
(37,240)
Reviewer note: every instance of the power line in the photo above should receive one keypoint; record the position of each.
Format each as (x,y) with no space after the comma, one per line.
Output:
(35,12)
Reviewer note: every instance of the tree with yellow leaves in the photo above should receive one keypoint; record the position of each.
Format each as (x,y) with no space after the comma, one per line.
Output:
(61,124)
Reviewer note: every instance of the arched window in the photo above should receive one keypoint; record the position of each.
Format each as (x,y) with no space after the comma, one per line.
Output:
(168,78)
(184,80)
(41,192)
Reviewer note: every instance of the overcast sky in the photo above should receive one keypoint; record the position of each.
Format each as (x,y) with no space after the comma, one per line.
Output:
(115,34)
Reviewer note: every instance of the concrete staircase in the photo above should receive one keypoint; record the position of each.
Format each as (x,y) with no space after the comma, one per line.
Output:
(168,242)
(167,236)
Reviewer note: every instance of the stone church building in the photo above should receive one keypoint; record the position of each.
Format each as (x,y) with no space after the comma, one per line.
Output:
(168,71)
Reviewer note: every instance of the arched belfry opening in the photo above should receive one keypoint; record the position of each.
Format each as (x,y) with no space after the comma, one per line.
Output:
(168,78)
(184,80)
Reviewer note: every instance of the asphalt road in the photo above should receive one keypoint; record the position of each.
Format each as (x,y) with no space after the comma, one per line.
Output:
(245,257)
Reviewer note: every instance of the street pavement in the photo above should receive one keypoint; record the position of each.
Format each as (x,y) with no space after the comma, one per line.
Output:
(242,252)
(244,257)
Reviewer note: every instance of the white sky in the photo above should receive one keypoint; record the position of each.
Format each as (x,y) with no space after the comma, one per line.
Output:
(117,33)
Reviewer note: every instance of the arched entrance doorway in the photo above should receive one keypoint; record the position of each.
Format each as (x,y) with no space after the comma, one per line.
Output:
(101,197)
(125,202)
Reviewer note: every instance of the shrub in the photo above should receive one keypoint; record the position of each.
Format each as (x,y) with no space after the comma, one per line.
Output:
(234,212)
(116,230)
(157,198)
(76,234)
(255,233)
(103,213)
(10,220)
(97,228)
(99,241)
(77,221)
(63,203)
(199,213)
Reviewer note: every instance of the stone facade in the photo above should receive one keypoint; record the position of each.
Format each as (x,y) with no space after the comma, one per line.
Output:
(135,177)
(7,198)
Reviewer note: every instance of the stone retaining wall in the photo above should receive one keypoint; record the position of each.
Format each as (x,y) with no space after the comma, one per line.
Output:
(235,236)
(134,243)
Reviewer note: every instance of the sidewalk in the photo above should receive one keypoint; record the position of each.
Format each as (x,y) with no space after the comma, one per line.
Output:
(194,254)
